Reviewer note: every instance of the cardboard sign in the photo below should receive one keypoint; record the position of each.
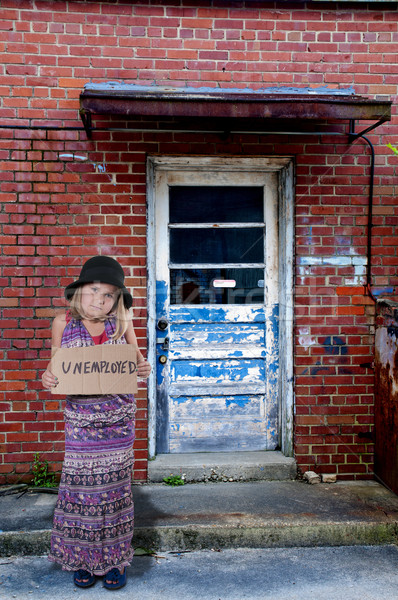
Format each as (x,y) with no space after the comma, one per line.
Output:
(90,370)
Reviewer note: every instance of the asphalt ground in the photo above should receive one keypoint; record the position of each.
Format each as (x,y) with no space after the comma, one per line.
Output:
(342,573)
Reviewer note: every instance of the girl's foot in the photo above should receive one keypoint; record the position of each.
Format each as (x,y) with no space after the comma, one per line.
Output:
(83,578)
(115,579)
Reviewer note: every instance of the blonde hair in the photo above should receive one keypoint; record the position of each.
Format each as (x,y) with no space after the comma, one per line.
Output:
(118,311)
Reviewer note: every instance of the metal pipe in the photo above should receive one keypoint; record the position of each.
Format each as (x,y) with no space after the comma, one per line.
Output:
(370,219)
(352,136)
(173,130)
(43,127)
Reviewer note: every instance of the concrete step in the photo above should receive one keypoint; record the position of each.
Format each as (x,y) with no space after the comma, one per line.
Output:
(260,514)
(223,466)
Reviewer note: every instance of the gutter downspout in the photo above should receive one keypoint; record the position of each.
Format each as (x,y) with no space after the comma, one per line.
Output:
(370,220)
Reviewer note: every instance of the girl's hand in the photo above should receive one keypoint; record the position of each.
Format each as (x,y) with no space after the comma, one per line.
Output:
(48,379)
(143,368)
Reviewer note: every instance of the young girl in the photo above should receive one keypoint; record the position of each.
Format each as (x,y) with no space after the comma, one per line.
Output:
(94,515)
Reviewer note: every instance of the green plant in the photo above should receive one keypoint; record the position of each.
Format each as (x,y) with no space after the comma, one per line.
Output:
(174,480)
(41,476)
(393,148)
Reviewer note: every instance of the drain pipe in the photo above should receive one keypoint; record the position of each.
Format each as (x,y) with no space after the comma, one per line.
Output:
(370,220)
(353,136)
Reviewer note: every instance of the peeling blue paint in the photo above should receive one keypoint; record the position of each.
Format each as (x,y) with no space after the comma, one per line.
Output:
(239,401)
(216,314)
(273,363)
(161,298)
(226,408)
(217,371)
(222,377)
(162,398)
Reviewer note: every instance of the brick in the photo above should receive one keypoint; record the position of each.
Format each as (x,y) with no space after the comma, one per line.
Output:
(181,44)
(350,291)
(70,82)
(350,310)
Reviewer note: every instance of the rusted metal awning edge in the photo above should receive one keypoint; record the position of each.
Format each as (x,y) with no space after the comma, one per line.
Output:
(131,100)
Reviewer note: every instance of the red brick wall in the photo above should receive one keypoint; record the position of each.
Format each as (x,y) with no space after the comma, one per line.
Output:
(57,210)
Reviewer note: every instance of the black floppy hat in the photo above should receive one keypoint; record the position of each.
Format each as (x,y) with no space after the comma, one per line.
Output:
(103,269)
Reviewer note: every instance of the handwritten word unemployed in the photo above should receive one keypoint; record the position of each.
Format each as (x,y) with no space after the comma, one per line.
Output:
(119,367)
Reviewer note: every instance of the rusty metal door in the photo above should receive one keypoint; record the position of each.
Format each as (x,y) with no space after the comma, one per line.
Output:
(216,237)
(386,401)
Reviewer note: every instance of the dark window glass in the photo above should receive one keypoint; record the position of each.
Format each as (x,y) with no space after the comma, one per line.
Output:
(216,204)
(243,245)
(204,286)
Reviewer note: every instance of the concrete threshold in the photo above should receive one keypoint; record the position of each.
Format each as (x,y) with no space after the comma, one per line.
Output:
(223,466)
(260,514)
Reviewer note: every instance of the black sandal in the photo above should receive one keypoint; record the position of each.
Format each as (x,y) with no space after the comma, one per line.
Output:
(82,575)
(116,579)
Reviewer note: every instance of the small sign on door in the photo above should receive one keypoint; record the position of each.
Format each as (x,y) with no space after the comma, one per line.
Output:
(224,283)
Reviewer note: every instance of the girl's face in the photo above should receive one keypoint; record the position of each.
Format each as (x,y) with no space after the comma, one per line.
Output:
(98,299)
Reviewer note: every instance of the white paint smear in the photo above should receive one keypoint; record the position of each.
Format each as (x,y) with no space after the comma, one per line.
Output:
(305,339)
(74,156)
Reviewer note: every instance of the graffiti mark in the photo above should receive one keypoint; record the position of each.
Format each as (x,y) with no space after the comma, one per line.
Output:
(100,167)
(335,345)
(318,368)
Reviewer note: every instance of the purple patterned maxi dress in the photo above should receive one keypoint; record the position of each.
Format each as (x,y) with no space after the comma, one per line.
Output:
(94,514)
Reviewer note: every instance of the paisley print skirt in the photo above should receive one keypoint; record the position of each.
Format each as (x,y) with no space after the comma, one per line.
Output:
(94,515)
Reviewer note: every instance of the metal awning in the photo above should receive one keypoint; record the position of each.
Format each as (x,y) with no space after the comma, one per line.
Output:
(222,106)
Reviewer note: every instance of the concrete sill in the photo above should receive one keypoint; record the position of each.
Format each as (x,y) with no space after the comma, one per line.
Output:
(223,466)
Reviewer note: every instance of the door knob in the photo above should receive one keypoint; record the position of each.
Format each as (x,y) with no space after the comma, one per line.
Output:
(163,324)
(163,359)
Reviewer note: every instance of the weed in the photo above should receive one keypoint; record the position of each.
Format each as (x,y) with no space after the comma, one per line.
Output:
(393,148)
(41,476)
(174,480)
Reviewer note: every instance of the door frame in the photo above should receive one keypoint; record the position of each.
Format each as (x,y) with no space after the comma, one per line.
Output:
(284,167)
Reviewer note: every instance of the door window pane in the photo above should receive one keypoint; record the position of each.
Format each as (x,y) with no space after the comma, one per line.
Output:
(196,286)
(216,204)
(243,245)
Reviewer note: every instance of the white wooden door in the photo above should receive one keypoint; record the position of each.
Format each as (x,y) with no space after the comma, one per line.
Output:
(216,317)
